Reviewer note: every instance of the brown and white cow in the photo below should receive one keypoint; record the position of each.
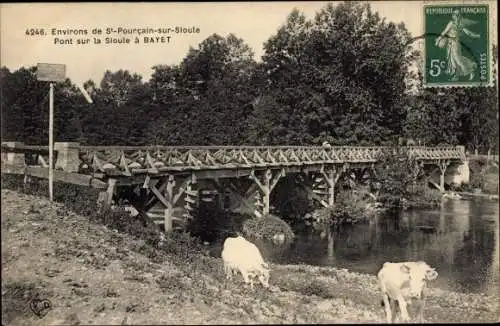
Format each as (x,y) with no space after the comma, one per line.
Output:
(402,282)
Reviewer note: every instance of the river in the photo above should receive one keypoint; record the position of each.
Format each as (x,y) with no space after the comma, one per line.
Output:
(460,239)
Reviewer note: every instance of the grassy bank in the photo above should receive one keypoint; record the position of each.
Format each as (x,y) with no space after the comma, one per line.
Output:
(97,274)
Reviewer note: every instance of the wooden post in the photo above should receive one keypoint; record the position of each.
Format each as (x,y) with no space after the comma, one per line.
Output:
(51,73)
(331,177)
(51,142)
(266,187)
(105,198)
(169,196)
(442,167)
(110,191)
(266,191)
(169,212)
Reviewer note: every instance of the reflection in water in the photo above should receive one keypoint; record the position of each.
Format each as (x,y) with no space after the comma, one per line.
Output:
(460,239)
(331,247)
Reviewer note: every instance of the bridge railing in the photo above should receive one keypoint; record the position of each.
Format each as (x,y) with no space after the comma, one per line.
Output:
(139,159)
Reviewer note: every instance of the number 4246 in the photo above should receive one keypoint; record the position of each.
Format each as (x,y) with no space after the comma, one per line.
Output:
(35,31)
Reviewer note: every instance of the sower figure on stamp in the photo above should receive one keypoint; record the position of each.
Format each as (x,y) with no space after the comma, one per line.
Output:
(457,64)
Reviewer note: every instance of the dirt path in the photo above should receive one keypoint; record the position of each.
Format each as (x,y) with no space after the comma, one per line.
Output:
(94,275)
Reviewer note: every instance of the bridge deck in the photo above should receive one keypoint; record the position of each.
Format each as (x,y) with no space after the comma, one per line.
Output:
(132,160)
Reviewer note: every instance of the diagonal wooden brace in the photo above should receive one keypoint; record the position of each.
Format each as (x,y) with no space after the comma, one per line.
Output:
(166,201)
(331,177)
(244,198)
(276,178)
(254,178)
(182,188)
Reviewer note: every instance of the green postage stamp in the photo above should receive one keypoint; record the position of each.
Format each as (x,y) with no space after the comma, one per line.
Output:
(457,46)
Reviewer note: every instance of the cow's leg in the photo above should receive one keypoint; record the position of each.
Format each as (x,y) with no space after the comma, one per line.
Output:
(394,310)
(402,309)
(421,307)
(251,275)
(387,307)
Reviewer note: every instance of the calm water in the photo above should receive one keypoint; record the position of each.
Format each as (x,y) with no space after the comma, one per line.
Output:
(461,241)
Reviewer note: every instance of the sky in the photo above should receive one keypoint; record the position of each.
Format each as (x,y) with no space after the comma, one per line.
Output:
(254,22)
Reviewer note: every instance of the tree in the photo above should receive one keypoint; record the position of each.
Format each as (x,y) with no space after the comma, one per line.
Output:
(283,84)
(340,77)
(25,108)
(206,99)
(12,113)
(120,113)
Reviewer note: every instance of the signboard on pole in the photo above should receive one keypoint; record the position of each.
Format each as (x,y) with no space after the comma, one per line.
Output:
(51,72)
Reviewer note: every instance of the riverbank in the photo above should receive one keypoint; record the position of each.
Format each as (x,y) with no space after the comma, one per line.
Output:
(96,275)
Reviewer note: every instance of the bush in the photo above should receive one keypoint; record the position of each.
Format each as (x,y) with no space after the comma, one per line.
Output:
(351,206)
(420,195)
(403,183)
(266,227)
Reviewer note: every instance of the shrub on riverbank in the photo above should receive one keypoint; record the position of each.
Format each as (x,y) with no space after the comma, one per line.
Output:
(266,227)
(422,196)
(351,206)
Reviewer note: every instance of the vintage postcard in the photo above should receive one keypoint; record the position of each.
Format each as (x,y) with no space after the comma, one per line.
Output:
(291,162)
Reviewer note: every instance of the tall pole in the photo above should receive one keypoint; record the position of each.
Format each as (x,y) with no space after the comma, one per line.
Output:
(51,142)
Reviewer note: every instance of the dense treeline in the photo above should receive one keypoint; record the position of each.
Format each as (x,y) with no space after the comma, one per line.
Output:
(343,77)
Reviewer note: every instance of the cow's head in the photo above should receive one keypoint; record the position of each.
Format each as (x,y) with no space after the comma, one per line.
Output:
(418,273)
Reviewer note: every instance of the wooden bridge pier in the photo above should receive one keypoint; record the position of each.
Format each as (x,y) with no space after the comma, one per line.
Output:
(167,190)
(266,182)
(253,197)
(441,166)
(324,183)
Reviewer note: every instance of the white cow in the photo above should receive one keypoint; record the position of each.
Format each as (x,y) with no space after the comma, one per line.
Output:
(239,254)
(401,282)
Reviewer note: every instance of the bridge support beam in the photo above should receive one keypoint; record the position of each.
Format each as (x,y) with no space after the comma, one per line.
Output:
(443,165)
(105,198)
(166,190)
(329,176)
(170,197)
(241,198)
(266,184)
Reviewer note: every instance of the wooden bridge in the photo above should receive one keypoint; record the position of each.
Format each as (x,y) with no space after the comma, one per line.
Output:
(145,176)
